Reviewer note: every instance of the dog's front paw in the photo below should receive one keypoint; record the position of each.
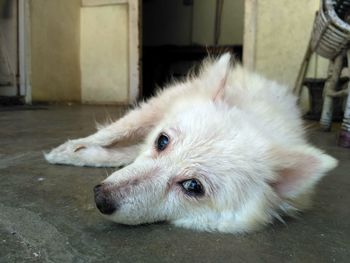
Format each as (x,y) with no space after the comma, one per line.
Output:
(66,153)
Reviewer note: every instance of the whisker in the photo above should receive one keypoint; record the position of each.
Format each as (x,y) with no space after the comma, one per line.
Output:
(106,172)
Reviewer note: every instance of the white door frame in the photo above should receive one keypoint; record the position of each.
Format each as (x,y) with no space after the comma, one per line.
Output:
(24,50)
(249,33)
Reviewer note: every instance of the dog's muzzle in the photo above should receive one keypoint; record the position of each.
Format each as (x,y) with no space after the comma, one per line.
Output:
(104,201)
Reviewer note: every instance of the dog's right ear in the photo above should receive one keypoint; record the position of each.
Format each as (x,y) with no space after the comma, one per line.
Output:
(215,74)
(298,169)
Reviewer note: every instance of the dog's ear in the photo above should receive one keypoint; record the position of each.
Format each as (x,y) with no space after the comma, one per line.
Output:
(214,75)
(299,169)
(220,74)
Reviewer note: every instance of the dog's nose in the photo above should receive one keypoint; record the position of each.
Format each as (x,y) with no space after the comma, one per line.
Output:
(103,201)
(97,188)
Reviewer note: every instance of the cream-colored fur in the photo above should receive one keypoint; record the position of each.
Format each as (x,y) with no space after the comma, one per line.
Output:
(239,135)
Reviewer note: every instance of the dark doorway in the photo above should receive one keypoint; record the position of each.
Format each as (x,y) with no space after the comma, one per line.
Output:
(178,34)
(9,48)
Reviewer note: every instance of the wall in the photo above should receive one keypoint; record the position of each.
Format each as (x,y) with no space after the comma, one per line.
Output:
(104,54)
(232,19)
(282,35)
(55,50)
(276,41)
(232,23)
(203,22)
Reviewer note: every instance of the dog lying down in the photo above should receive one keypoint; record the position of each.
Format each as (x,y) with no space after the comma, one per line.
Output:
(222,151)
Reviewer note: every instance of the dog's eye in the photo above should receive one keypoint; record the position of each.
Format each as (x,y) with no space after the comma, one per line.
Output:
(193,187)
(162,142)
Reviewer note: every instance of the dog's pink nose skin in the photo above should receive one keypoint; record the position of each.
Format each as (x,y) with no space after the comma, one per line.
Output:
(104,201)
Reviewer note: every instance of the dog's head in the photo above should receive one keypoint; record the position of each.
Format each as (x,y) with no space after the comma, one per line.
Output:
(208,166)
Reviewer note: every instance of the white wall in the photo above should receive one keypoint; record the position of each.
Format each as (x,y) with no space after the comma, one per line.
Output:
(104,54)
(55,43)
(282,35)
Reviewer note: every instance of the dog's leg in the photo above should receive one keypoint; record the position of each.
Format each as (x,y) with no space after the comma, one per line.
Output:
(133,127)
(93,155)
(114,145)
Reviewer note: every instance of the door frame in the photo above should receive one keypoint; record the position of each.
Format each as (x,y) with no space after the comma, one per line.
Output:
(24,50)
(249,33)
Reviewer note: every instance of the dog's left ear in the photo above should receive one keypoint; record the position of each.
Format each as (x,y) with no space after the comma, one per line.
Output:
(220,74)
(298,169)
(215,74)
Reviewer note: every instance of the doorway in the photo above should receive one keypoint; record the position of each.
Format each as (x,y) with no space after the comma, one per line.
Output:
(8,48)
(178,34)
(13,52)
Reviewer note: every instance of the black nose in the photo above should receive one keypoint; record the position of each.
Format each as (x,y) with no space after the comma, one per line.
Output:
(97,188)
(104,201)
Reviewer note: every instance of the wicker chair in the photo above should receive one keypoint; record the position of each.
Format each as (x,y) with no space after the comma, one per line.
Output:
(330,38)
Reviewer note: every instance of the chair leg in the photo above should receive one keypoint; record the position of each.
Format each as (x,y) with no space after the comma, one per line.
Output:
(302,71)
(344,136)
(329,88)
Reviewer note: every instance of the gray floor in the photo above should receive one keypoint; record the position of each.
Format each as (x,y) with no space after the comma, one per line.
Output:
(47,212)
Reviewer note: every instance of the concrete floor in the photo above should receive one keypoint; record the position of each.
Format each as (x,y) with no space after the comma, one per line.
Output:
(47,212)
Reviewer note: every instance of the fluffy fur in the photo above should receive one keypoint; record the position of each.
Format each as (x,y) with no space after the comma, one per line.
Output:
(237,133)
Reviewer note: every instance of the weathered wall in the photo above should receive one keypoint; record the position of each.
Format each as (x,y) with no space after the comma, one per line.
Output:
(282,34)
(104,54)
(277,46)
(203,24)
(55,50)
(231,22)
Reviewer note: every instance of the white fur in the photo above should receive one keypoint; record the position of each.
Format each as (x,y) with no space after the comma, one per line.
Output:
(239,134)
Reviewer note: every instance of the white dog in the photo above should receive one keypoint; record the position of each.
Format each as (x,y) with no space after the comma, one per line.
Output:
(222,151)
